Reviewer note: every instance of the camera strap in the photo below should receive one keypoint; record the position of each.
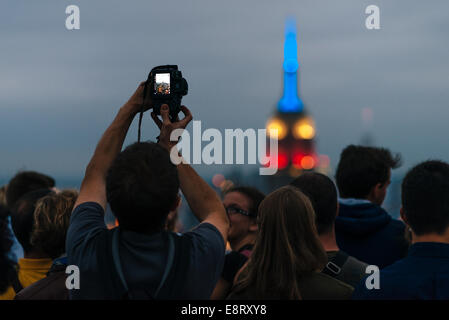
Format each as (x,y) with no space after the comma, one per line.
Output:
(141,110)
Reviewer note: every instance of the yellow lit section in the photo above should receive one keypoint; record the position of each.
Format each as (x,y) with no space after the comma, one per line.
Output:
(279,125)
(307,162)
(304,129)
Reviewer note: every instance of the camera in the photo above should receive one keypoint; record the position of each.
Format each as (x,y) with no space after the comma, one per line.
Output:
(167,86)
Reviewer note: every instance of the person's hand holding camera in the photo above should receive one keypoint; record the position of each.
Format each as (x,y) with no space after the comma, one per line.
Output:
(136,100)
(167,127)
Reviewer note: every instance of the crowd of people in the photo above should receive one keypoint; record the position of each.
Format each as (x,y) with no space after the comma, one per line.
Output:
(311,239)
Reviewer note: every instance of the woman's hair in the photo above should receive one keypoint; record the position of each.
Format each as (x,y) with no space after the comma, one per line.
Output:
(287,247)
(52,217)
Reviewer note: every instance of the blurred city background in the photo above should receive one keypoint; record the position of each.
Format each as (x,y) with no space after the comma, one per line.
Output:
(60,89)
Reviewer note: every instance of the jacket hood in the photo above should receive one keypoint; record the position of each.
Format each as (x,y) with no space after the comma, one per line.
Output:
(362,218)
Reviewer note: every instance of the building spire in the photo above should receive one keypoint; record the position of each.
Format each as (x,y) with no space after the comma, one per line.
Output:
(290,102)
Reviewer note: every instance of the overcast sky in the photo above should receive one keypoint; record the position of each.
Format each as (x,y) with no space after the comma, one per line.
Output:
(60,89)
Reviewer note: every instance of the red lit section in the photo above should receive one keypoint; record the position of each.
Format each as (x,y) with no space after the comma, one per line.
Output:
(282,160)
(308,162)
(296,159)
(303,161)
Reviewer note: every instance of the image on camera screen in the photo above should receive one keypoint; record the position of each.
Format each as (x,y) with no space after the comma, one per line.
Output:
(162,83)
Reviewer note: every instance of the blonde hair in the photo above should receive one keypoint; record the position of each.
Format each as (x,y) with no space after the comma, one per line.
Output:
(51,221)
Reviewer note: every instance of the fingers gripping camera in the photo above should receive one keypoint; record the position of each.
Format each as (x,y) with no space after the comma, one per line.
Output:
(167,86)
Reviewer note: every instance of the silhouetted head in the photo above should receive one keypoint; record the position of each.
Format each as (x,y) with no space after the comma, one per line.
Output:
(22,218)
(24,182)
(142,187)
(323,195)
(365,172)
(425,198)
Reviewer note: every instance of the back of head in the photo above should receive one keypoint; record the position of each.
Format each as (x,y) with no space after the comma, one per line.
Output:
(323,195)
(361,168)
(425,197)
(22,217)
(142,187)
(254,195)
(286,248)
(24,182)
(51,221)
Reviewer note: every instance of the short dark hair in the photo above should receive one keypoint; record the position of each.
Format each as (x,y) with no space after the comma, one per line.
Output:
(361,168)
(22,217)
(24,182)
(254,195)
(323,196)
(425,197)
(142,187)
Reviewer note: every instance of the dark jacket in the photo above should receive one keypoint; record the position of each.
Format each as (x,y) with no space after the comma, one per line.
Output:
(423,274)
(367,232)
(52,287)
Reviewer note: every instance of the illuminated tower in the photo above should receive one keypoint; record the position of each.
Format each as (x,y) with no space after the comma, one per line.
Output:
(296,129)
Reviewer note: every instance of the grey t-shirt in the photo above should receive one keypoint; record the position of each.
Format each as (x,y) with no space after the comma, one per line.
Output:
(143,257)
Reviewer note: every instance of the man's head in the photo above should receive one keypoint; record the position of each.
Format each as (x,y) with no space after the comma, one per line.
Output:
(51,221)
(242,205)
(364,172)
(323,196)
(425,198)
(142,187)
(22,218)
(24,182)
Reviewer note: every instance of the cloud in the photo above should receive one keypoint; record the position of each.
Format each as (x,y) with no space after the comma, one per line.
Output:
(59,88)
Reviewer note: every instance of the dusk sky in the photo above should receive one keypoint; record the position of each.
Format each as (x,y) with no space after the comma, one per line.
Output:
(60,89)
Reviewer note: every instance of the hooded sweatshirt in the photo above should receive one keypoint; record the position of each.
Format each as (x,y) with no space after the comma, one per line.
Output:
(367,232)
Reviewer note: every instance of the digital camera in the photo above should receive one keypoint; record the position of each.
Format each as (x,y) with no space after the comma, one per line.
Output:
(167,86)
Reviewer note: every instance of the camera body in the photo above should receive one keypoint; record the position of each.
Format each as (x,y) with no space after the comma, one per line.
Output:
(167,86)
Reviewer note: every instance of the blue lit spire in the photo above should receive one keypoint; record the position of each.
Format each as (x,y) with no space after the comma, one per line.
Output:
(290,102)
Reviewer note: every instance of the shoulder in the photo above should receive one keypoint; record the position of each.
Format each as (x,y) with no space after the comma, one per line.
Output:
(206,234)
(87,208)
(86,225)
(397,224)
(319,286)
(49,288)
(355,263)
(204,245)
(392,280)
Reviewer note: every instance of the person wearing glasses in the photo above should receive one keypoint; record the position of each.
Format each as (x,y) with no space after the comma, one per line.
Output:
(241,204)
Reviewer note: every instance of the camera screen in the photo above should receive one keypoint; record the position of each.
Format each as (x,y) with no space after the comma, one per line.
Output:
(162,83)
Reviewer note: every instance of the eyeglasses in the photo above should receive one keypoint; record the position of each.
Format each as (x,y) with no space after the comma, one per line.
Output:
(233,209)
